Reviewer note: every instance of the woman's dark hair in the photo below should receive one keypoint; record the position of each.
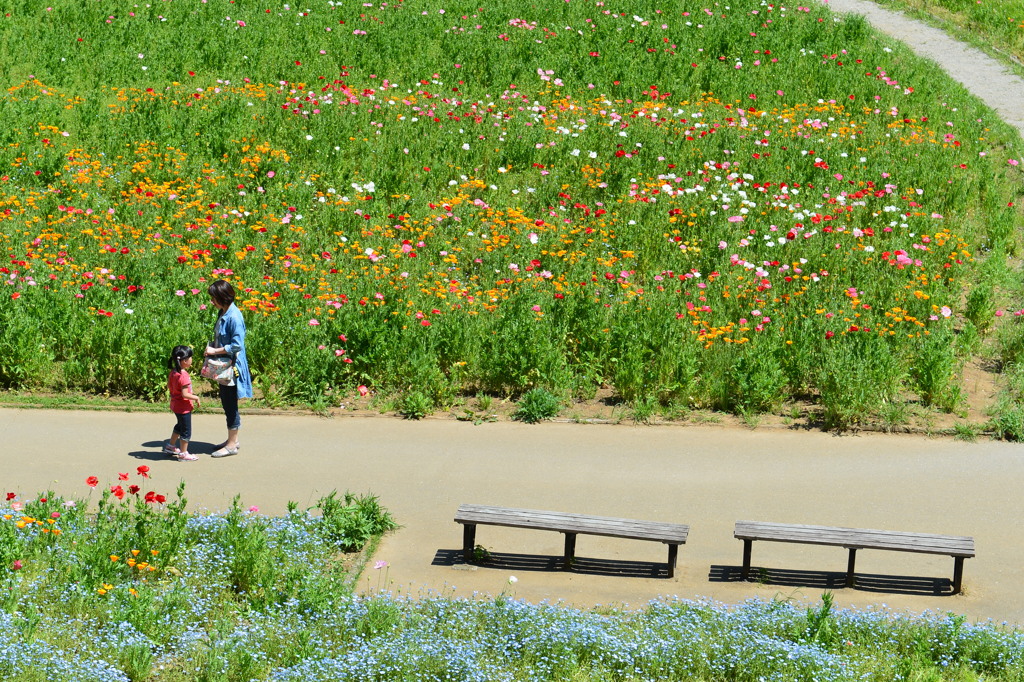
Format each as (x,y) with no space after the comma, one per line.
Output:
(177,355)
(222,292)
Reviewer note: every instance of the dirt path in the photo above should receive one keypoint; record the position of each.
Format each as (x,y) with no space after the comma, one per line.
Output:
(983,76)
(708,477)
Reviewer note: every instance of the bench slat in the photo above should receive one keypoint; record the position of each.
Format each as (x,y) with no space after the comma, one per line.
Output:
(572,523)
(859,538)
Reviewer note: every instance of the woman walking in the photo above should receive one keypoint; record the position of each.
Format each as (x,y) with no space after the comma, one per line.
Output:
(229,339)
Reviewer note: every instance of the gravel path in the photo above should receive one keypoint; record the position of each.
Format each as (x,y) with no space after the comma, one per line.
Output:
(983,76)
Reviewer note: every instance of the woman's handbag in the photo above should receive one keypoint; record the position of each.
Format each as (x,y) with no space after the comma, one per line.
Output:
(219,368)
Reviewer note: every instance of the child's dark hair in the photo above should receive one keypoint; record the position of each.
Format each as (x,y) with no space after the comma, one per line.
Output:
(177,355)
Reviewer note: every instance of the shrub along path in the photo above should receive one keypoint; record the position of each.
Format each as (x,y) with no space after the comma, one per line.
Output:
(708,477)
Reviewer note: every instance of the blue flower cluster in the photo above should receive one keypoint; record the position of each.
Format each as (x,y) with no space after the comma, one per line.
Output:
(306,624)
(20,658)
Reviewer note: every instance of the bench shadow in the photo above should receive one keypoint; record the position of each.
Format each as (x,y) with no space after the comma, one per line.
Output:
(539,562)
(835,580)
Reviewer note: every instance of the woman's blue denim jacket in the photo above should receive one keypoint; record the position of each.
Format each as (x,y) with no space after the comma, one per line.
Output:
(230,334)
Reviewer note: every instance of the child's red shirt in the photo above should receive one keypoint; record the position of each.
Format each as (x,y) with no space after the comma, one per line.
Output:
(176,383)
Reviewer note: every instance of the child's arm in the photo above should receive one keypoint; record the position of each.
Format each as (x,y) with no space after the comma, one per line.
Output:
(187,394)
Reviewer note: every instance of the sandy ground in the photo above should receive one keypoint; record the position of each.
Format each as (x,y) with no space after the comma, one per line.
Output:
(707,477)
(984,77)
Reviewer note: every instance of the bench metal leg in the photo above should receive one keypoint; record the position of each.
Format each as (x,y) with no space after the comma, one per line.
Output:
(570,550)
(958,573)
(850,566)
(673,551)
(746,558)
(468,541)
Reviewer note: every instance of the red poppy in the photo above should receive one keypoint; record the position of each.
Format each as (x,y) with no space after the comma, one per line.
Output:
(160,499)
(118,491)
(11,496)
(134,489)
(122,477)
(150,497)
(92,481)
(144,471)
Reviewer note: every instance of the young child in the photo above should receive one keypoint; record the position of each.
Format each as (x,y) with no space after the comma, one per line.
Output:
(183,401)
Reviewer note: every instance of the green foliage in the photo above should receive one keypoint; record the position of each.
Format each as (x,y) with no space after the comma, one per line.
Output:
(935,373)
(981,307)
(537,405)
(137,662)
(1011,342)
(415,405)
(820,629)
(1008,421)
(253,566)
(644,409)
(857,378)
(758,380)
(965,432)
(24,358)
(351,521)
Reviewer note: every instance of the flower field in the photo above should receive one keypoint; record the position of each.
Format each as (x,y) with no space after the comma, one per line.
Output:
(132,586)
(712,206)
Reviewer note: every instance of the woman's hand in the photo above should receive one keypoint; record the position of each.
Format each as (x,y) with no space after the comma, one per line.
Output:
(210,350)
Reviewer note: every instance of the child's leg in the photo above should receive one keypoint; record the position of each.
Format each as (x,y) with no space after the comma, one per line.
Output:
(172,447)
(185,420)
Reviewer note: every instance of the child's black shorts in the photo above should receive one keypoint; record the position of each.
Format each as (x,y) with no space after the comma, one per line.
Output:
(184,426)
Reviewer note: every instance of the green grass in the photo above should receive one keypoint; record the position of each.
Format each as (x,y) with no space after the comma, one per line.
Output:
(994,26)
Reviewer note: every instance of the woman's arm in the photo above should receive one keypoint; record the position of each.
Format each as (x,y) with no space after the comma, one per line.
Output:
(234,331)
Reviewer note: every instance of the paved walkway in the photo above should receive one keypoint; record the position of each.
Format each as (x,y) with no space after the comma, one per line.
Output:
(708,477)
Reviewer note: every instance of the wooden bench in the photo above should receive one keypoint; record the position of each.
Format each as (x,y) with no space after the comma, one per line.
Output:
(571,525)
(958,547)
